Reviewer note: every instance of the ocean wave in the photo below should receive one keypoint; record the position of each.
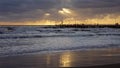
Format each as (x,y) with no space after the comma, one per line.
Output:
(56,35)
(19,51)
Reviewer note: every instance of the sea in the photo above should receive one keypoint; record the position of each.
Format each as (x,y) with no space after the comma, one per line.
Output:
(23,40)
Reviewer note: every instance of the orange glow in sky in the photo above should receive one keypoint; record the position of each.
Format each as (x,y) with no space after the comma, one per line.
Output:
(70,17)
(52,12)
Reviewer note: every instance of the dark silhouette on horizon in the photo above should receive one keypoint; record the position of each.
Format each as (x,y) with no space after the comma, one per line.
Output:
(116,25)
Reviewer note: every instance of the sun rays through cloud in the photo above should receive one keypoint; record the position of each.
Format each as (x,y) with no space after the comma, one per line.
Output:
(51,12)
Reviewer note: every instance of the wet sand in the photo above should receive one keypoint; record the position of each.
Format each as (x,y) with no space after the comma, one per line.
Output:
(106,58)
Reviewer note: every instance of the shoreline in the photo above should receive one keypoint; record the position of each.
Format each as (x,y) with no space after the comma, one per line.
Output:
(89,59)
(111,49)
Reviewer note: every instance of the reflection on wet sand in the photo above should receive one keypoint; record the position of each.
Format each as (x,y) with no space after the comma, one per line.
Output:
(63,59)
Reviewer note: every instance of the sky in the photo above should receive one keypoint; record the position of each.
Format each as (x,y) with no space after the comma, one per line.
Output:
(53,12)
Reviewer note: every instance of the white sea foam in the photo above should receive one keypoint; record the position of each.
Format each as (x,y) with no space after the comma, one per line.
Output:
(23,40)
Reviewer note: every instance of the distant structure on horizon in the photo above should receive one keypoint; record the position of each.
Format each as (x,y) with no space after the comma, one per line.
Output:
(116,25)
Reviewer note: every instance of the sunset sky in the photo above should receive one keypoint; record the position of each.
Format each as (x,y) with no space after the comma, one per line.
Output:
(51,12)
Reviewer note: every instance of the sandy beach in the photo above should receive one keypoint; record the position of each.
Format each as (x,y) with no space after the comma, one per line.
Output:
(64,59)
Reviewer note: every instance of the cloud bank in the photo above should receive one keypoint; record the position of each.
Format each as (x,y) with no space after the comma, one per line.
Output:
(34,10)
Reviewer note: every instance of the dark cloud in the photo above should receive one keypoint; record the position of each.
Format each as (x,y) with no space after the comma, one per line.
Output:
(25,5)
(13,10)
(96,3)
(31,10)
(96,8)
